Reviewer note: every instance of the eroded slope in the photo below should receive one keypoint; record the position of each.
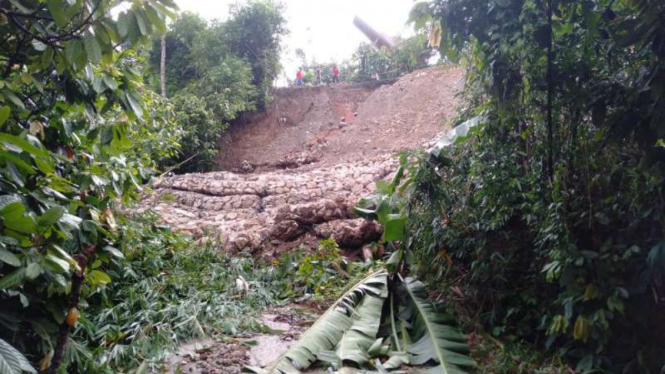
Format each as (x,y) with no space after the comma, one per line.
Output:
(300,173)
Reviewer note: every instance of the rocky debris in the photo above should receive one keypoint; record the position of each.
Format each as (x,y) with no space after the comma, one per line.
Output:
(246,166)
(350,233)
(306,161)
(247,212)
(293,160)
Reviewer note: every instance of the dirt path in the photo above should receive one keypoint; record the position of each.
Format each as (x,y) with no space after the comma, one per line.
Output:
(229,356)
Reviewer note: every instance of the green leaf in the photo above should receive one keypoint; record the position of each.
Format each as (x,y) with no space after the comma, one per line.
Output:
(11,358)
(23,145)
(8,199)
(13,98)
(123,24)
(10,280)
(110,82)
(14,218)
(135,105)
(394,227)
(154,18)
(70,221)
(4,114)
(59,265)
(329,329)
(140,21)
(92,47)
(22,165)
(114,251)
(98,85)
(356,342)
(57,10)
(44,165)
(47,57)
(396,360)
(21,7)
(51,216)
(33,270)
(38,46)
(9,258)
(99,277)
(457,135)
(435,338)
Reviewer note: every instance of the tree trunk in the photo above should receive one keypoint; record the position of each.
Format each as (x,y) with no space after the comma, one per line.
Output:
(550,130)
(162,67)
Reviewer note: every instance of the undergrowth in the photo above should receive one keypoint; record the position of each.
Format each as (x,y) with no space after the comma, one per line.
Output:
(168,289)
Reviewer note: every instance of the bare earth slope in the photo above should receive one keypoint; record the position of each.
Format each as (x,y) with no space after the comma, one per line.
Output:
(297,170)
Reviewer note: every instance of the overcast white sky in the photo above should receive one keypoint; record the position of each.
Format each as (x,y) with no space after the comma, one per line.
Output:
(322,28)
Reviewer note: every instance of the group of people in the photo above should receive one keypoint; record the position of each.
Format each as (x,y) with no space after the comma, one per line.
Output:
(300,75)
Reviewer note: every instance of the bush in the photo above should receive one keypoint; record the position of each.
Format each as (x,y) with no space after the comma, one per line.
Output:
(200,141)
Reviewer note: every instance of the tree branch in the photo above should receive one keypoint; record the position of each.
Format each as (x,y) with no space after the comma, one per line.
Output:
(83,259)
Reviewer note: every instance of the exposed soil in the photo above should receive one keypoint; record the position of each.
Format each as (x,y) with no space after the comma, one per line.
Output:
(297,120)
(329,125)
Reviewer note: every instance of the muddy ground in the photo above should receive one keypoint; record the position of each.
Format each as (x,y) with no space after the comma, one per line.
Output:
(230,355)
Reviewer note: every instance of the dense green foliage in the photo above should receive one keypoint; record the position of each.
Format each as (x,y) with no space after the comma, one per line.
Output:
(546,209)
(253,33)
(371,63)
(164,290)
(72,118)
(213,74)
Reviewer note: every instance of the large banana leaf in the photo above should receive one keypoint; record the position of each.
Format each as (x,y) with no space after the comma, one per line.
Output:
(325,334)
(12,361)
(436,339)
(357,340)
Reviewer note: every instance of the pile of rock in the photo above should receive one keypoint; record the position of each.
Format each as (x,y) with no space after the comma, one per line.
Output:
(281,208)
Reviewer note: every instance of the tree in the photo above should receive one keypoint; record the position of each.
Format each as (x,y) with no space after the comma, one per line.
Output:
(549,205)
(209,85)
(179,68)
(253,33)
(162,65)
(70,100)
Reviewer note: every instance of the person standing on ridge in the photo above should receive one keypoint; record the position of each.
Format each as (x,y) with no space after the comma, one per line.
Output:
(335,74)
(299,77)
(318,75)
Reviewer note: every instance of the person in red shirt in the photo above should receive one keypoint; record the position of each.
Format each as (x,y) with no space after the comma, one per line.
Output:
(299,77)
(335,74)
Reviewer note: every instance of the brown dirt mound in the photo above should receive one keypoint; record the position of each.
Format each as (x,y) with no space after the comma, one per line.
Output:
(298,118)
(328,125)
